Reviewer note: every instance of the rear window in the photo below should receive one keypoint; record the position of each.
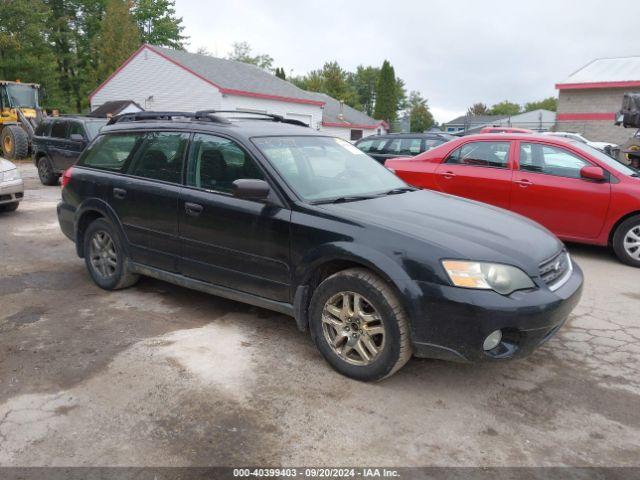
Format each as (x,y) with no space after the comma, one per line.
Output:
(111,152)
(481,154)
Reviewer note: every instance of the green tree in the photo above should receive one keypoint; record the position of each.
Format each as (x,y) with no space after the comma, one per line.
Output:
(505,108)
(158,23)
(280,73)
(550,103)
(242,53)
(335,84)
(24,51)
(478,109)
(386,94)
(364,81)
(118,39)
(401,95)
(420,118)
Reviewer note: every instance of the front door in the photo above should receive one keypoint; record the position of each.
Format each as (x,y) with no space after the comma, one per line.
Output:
(72,148)
(479,170)
(547,187)
(228,241)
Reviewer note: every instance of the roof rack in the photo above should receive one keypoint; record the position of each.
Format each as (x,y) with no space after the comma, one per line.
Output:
(206,115)
(269,116)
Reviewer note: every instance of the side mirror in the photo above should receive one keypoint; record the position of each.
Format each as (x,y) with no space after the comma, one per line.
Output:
(250,189)
(592,173)
(76,137)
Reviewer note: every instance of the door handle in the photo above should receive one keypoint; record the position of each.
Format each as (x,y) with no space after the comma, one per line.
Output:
(119,193)
(193,209)
(524,183)
(448,175)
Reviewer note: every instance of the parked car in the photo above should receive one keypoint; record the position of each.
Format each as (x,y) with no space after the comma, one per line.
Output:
(282,217)
(384,147)
(11,186)
(59,141)
(505,130)
(576,191)
(602,146)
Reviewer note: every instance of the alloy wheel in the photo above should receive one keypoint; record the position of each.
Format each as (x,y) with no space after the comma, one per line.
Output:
(632,242)
(102,254)
(353,328)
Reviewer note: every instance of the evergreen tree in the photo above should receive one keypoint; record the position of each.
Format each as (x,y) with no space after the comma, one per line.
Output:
(119,38)
(280,73)
(158,23)
(364,81)
(386,94)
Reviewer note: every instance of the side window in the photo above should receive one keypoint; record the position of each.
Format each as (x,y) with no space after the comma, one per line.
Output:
(160,156)
(430,143)
(111,152)
(215,163)
(366,145)
(59,129)
(404,146)
(538,158)
(481,154)
(76,128)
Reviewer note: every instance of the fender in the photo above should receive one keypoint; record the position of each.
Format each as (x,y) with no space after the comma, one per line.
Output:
(104,209)
(385,266)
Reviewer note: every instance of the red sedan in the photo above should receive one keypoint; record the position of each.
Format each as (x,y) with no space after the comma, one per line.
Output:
(579,193)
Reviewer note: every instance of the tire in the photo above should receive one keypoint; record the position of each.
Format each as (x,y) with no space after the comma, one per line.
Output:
(626,241)
(15,142)
(9,207)
(45,171)
(377,299)
(106,262)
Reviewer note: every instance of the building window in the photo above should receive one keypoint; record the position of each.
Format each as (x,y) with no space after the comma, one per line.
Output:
(356,135)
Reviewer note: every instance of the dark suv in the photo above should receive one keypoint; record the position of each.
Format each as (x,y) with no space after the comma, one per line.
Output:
(394,145)
(280,216)
(59,141)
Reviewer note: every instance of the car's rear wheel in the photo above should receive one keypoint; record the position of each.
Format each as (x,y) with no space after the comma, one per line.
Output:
(359,325)
(626,241)
(46,173)
(105,257)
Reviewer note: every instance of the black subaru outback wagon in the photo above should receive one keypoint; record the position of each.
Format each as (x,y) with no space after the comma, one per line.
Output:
(271,213)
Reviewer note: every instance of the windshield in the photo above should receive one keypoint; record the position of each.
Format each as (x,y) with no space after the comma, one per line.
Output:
(23,96)
(93,128)
(606,159)
(325,168)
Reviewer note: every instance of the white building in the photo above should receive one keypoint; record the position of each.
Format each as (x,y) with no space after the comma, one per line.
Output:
(539,120)
(160,78)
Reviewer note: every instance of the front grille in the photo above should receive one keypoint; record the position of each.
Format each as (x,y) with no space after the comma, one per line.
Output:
(555,271)
(4,198)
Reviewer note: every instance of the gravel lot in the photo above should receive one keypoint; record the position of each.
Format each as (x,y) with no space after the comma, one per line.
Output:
(160,375)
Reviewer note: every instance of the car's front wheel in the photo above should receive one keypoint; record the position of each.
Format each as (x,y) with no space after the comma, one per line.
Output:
(626,241)
(359,325)
(105,257)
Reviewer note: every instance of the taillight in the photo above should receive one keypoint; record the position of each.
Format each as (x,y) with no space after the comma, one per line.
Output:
(66,177)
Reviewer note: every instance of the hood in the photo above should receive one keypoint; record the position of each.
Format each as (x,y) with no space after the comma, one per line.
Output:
(6,165)
(457,227)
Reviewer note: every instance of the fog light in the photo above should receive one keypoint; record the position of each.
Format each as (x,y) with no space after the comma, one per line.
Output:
(492,340)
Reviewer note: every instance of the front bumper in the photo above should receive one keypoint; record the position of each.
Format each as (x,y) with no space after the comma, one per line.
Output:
(12,191)
(456,320)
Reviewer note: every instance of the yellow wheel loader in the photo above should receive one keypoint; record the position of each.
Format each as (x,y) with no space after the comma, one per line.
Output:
(20,113)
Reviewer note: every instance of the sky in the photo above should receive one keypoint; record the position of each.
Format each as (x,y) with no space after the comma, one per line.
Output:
(455,53)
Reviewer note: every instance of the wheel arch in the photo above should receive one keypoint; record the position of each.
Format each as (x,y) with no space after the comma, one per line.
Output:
(622,219)
(90,211)
(333,258)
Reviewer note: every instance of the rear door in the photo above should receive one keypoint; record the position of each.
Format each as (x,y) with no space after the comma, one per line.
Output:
(374,147)
(228,241)
(57,144)
(480,170)
(547,187)
(405,146)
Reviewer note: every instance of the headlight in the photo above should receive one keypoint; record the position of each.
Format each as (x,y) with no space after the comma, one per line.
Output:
(504,279)
(10,175)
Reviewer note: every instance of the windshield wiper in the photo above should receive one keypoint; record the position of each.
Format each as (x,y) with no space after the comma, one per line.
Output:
(344,199)
(395,191)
